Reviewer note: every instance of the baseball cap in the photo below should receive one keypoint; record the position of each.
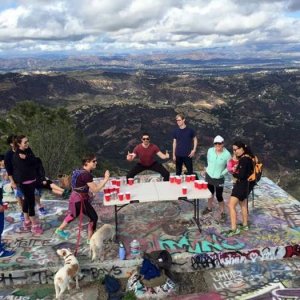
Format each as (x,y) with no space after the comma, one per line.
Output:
(218,139)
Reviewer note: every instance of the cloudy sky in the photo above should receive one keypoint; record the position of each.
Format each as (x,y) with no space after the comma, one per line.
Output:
(37,26)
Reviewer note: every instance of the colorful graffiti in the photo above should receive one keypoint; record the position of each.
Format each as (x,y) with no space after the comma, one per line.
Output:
(274,235)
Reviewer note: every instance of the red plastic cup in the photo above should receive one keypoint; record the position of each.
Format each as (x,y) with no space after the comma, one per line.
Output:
(184,190)
(106,190)
(178,179)
(118,182)
(5,205)
(107,197)
(127,196)
(188,178)
(121,196)
(193,177)
(130,181)
(205,184)
(114,181)
(172,179)
(197,184)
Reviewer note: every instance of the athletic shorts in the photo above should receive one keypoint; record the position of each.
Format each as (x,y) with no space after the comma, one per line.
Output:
(242,189)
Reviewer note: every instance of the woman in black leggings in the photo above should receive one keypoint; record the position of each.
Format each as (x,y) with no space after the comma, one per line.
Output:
(24,166)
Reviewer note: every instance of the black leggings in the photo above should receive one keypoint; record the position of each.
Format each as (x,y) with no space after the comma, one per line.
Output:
(29,198)
(219,191)
(89,211)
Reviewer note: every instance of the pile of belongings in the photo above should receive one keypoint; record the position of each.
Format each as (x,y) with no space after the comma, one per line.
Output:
(154,279)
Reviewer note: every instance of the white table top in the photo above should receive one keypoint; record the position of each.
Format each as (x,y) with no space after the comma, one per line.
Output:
(158,191)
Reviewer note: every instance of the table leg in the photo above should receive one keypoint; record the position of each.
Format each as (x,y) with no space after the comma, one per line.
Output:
(198,214)
(116,222)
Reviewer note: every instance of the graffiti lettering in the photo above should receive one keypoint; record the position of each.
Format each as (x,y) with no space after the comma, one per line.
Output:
(202,246)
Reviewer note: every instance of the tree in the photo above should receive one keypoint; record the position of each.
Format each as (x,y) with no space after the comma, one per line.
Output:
(52,134)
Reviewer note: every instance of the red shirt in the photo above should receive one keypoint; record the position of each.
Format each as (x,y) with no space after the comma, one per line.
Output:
(146,155)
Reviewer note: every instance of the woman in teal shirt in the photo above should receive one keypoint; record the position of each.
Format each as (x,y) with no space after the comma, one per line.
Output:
(217,158)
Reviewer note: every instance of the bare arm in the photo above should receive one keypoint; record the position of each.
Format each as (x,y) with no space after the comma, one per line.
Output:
(162,155)
(174,149)
(96,187)
(195,140)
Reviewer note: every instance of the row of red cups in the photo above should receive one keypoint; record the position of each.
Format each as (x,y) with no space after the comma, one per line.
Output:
(200,184)
(178,179)
(121,196)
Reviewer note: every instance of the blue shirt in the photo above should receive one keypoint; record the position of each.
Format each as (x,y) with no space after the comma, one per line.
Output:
(184,141)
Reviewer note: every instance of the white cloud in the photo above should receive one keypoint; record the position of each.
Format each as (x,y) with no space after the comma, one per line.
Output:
(81,25)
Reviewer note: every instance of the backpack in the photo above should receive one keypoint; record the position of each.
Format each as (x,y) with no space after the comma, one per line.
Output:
(74,177)
(112,284)
(257,170)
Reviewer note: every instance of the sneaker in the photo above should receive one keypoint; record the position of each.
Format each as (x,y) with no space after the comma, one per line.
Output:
(42,211)
(232,232)
(206,211)
(223,217)
(22,218)
(243,227)
(62,233)
(6,253)
(37,229)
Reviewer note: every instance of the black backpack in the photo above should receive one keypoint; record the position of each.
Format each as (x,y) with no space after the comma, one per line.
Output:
(112,286)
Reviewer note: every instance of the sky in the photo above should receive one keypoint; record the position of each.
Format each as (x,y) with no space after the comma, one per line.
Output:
(115,26)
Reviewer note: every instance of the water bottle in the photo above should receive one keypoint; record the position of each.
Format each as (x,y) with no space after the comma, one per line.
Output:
(122,251)
(135,248)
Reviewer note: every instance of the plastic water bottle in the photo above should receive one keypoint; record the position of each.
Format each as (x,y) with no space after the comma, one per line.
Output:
(135,248)
(122,251)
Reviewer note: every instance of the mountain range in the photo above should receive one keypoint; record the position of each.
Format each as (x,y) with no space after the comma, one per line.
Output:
(114,106)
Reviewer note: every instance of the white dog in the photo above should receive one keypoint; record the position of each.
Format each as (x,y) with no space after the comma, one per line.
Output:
(106,232)
(65,274)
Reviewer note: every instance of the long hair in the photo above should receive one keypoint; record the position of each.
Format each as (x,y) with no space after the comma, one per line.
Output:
(18,140)
(245,147)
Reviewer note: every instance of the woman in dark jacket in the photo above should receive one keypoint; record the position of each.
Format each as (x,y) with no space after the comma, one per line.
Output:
(25,176)
(241,188)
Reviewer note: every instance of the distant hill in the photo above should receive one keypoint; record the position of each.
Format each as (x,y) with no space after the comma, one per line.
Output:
(114,107)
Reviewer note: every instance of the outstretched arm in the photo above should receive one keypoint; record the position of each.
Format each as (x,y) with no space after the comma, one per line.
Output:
(96,187)
(162,155)
(130,156)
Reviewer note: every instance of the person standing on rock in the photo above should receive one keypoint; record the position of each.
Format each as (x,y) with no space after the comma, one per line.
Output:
(82,187)
(184,145)
(146,153)
(217,158)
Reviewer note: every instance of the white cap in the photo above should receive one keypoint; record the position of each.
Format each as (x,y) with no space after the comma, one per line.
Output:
(218,139)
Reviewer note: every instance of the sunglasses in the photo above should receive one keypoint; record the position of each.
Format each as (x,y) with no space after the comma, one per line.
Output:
(218,143)
(146,139)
